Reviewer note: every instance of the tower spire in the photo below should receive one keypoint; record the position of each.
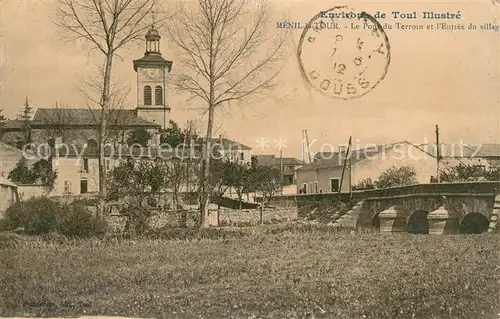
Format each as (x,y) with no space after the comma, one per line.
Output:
(153,38)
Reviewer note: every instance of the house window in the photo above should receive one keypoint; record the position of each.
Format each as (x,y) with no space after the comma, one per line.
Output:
(91,143)
(304,188)
(242,156)
(311,189)
(321,190)
(106,164)
(83,186)
(147,95)
(335,184)
(315,187)
(158,95)
(67,187)
(86,164)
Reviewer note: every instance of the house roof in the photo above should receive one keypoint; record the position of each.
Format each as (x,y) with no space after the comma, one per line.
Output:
(448,150)
(230,145)
(487,150)
(13,124)
(272,160)
(336,159)
(87,117)
(463,150)
(152,58)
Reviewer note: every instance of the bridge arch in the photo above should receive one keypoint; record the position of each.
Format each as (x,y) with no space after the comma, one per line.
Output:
(417,222)
(474,223)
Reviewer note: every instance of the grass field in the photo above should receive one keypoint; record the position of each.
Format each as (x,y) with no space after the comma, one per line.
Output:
(258,273)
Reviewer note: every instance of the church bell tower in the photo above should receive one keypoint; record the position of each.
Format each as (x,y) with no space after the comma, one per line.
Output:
(152,70)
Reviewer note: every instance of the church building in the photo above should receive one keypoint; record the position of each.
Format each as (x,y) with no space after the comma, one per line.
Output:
(74,132)
(81,126)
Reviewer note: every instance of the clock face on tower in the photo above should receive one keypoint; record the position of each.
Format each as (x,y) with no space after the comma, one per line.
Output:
(151,74)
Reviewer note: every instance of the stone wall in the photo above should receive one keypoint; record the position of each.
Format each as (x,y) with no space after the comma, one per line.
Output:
(251,217)
(226,217)
(116,222)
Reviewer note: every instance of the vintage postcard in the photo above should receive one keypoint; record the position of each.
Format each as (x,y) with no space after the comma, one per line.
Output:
(249,159)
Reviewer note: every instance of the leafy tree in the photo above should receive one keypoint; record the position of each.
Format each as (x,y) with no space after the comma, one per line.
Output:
(41,172)
(173,135)
(139,136)
(136,184)
(175,177)
(219,177)
(22,173)
(493,174)
(267,181)
(239,177)
(365,183)
(397,176)
(468,173)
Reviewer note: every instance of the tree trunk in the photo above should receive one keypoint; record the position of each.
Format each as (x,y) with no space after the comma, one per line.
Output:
(204,200)
(261,213)
(103,131)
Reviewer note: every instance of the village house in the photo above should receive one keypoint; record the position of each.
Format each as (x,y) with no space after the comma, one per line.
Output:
(288,165)
(8,194)
(328,174)
(324,174)
(482,155)
(231,150)
(68,137)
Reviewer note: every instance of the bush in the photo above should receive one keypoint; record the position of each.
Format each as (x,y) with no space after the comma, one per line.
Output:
(36,216)
(79,222)
(41,215)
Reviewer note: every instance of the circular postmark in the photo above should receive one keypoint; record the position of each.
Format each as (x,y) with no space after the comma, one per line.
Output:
(343,54)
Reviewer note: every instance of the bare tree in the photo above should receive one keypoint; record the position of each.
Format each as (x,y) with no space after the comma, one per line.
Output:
(229,55)
(111,124)
(108,26)
(60,122)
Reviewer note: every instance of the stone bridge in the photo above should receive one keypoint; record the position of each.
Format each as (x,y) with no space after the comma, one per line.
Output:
(444,208)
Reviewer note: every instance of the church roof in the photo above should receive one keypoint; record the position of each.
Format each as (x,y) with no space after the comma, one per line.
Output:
(14,125)
(152,58)
(88,117)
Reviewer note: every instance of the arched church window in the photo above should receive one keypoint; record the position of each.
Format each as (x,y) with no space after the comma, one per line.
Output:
(158,95)
(147,95)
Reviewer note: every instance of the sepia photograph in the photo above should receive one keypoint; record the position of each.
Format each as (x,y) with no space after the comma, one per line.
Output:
(249,159)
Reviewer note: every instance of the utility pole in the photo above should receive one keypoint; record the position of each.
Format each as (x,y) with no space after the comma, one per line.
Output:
(302,147)
(345,163)
(438,154)
(281,171)
(350,172)
(308,149)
